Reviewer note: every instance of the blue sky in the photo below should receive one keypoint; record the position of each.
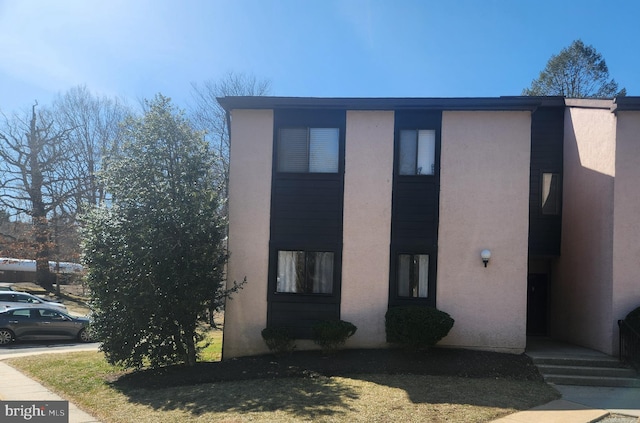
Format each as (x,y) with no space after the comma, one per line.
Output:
(325,48)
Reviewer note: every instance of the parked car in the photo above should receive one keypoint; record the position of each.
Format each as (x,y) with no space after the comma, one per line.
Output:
(41,323)
(12,299)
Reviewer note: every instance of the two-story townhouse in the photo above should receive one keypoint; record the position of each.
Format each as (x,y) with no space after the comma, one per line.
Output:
(344,207)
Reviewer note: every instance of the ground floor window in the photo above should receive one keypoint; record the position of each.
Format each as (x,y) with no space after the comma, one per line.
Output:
(305,272)
(413,275)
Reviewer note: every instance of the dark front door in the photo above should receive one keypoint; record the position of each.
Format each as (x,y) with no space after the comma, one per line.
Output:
(537,296)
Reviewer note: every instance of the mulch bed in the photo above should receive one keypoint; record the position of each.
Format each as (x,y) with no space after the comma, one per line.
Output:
(435,361)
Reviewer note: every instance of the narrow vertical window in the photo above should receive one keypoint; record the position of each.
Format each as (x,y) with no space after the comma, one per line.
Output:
(293,151)
(413,275)
(408,152)
(550,194)
(320,272)
(323,150)
(417,152)
(426,152)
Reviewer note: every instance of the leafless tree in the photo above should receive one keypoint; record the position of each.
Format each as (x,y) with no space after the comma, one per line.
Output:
(207,115)
(94,138)
(33,160)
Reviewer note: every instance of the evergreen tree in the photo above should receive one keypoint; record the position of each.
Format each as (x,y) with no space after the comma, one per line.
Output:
(155,253)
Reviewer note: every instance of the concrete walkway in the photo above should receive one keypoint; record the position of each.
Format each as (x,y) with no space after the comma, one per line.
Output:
(579,404)
(14,386)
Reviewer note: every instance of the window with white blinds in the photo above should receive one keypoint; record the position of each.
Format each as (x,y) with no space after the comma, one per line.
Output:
(417,152)
(308,150)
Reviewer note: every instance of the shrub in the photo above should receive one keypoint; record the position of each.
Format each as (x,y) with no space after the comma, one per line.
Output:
(633,319)
(279,340)
(416,327)
(331,334)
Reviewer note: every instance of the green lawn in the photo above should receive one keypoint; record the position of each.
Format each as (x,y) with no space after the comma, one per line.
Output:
(85,379)
(211,346)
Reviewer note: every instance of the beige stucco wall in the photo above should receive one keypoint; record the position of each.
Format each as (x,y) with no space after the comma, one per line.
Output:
(626,230)
(484,203)
(581,291)
(249,214)
(367,224)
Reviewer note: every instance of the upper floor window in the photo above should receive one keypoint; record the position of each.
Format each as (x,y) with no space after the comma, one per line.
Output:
(308,150)
(417,152)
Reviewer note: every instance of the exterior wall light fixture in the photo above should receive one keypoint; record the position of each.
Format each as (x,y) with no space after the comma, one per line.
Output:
(486,255)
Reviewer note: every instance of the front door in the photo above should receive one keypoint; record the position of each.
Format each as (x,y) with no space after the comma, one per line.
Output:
(537,297)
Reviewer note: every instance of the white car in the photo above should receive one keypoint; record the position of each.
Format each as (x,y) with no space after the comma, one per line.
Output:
(13,299)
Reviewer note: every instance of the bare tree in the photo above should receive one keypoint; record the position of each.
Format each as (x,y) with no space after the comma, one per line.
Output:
(207,115)
(95,137)
(33,159)
(13,239)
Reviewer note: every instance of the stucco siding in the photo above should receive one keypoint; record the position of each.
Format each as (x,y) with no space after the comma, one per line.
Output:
(581,292)
(626,230)
(484,203)
(367,224)
(249,213)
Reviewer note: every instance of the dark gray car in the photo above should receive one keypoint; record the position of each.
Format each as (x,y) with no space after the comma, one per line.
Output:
(39,323)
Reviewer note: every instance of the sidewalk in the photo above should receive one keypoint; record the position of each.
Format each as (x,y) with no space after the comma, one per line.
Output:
(14,386)
(582,404)
(579,404)
(625,401)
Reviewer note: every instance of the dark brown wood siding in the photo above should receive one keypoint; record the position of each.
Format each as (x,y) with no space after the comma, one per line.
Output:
(306,215)
(547,134)
(414,218)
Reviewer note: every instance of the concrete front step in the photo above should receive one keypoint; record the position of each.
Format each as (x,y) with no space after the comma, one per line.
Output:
(596,370)
(567,364)
(597,361)
(620,382)
(550,369)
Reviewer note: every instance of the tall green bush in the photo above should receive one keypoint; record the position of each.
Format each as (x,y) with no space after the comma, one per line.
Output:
(155,252)
(416,326)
